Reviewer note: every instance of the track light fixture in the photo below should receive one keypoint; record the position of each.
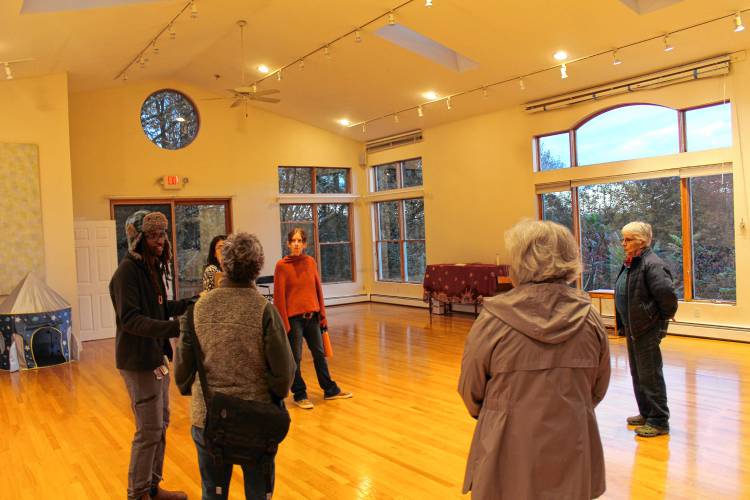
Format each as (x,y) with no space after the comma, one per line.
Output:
(563,71)
(301,64)
(364,127)
(738,26)
(667,46)
(391,18)
(8,71)
(168,30)
(428,3)
(448,103)
(420,111)
(485,93)
(521,84)
(327,51)
(357,36)
(615,60)
(278,76)
(396,119)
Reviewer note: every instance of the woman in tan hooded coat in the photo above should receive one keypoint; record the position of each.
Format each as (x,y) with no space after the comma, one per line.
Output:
(535,364)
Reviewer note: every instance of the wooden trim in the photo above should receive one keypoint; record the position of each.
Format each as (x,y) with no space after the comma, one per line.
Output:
(573,145)
(687,239)
(576,216)
(681,132)
(376,218)
(401,232)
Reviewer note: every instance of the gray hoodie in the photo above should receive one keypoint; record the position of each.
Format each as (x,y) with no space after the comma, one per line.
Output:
(535,365)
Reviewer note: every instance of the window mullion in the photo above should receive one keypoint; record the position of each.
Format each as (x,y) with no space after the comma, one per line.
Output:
(687,239)
(401,234)
(576,216)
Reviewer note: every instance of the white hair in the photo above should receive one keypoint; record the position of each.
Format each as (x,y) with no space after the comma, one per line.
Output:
(541,251)
(640,231)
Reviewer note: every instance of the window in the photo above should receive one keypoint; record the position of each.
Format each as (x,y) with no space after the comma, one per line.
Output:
(708,127)
(313,180)
(712,216)
(636,131)
(606,208)
(692,215)
(554,151)
(196,223)
(557,207)
(400,174)
(626,133)
(400,241)
(329,241)
(169,119)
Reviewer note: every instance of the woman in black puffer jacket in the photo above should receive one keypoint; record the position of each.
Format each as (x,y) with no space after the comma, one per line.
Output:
(645,300)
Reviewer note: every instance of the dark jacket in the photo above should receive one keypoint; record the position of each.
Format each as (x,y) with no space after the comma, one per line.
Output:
(651,297)
(143,325)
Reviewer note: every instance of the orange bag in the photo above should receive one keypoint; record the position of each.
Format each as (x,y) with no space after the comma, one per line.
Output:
(327,347)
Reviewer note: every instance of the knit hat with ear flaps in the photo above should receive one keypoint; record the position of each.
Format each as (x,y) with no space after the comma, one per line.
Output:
(142,222)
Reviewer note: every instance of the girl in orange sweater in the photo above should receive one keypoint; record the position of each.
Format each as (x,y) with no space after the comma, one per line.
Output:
(298,295)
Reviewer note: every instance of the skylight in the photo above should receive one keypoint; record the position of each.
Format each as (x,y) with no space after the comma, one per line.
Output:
(33,6)
(425,47)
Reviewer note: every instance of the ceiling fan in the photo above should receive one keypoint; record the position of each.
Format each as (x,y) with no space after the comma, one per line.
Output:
(245,93)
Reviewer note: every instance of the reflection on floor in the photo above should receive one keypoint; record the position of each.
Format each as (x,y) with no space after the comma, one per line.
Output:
(405,434)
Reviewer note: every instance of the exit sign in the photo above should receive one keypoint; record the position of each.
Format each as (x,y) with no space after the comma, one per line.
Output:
(171,182)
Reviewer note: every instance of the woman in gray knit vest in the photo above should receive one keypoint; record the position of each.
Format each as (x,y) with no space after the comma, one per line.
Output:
(245,354)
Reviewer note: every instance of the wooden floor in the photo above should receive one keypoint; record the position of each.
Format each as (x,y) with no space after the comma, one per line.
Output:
(67,429)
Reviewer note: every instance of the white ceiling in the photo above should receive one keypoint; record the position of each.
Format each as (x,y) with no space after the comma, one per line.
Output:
(94,39)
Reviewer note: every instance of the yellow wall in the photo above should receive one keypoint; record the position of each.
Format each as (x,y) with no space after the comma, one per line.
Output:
(478,181)
(35,111)
(232,156)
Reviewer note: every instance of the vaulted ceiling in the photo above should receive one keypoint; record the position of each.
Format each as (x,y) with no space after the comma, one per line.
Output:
(93,40)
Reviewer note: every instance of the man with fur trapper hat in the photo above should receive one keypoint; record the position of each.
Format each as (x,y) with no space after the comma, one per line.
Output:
(142,347)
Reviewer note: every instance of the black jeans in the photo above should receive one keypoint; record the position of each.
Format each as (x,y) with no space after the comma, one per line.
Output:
(646,369)
(309,328)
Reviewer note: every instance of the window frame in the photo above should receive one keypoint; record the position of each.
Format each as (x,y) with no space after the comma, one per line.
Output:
(314,181)
(572,136)
(314,238)
(685,192)
(399,176)
(401,241)
(686,235)
(172,202)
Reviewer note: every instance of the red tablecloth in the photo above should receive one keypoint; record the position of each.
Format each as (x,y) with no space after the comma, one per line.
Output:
(461,284)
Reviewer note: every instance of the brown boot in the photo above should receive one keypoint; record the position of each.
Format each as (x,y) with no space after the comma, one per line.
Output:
(169,495)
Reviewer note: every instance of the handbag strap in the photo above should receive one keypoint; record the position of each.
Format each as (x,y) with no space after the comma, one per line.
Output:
(198,354)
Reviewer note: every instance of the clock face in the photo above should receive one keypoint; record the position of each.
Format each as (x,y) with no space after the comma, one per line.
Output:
(169,119)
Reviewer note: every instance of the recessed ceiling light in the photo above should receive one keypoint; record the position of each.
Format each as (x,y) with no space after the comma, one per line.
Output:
(344,122)
(430,95)
(560,55)
(263,69)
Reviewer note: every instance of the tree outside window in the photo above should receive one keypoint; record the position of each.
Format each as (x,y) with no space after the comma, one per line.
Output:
(400,240)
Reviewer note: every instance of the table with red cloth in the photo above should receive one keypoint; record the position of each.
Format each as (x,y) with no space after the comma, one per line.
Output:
(461,283)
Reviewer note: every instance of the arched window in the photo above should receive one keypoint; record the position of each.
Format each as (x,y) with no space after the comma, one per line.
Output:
(626,133)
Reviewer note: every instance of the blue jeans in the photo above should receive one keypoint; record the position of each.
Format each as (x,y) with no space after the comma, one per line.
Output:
(215,479)
(646,370)
(309,329)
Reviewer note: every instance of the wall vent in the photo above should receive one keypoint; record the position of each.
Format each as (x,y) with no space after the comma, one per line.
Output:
(393,141)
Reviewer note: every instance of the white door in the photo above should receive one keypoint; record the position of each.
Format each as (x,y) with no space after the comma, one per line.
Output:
(96,261)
